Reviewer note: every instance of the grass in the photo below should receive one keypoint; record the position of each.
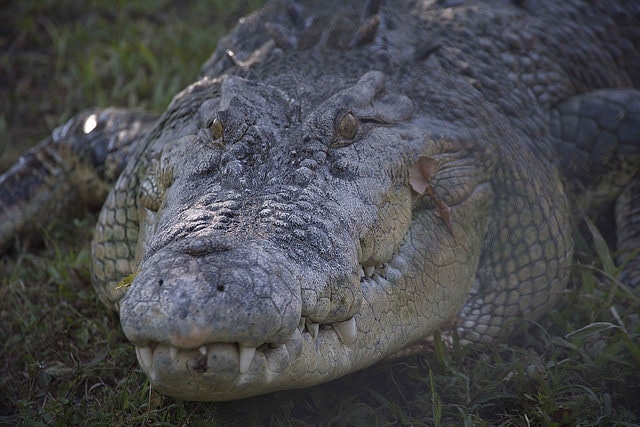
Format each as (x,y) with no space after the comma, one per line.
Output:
(64,360)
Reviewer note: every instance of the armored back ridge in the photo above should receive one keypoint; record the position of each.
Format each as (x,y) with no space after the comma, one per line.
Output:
(345,180)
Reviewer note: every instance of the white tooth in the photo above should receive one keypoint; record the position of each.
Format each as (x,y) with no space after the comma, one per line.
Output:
(379,280)
(392,274)
(145,357)
(173,353)
(313,328)
(347,331)
(246,357)
(139,357)
(203,350)
(368,271)
(361,272)
(301,323)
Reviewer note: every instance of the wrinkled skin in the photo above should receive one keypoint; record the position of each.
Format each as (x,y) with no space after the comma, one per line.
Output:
(255,243)
(347,183)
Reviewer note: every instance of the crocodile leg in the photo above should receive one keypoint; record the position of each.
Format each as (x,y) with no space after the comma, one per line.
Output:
(525,259)
(75,166)
(526,256)
(599,147)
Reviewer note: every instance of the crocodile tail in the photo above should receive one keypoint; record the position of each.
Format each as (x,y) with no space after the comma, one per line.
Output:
(73,168)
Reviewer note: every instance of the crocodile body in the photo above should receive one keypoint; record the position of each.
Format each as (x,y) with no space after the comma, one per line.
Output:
(344,180)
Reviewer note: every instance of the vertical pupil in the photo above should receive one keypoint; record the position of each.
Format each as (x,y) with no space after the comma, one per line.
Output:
(348,126)
(216,128)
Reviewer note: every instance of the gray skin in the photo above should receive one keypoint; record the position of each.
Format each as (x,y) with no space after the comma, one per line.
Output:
(344,180)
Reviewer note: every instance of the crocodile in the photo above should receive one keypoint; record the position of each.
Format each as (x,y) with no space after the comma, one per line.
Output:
(346,179)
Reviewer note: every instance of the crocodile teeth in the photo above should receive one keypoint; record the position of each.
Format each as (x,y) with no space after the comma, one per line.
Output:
(347,331)
(368,270)
(313,328)
(173,353)
(379,280)
(145,357)
(203,350)
(361,272)
(246,357)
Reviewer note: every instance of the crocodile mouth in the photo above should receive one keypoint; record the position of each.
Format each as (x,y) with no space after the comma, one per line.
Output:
(229,370)
(346,332)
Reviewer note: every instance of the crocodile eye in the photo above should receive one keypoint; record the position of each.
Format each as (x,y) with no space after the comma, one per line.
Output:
(216,128)
(348,126)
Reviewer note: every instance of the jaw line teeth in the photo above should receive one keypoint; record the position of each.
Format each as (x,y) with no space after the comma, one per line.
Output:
(347,331)
(145,357)
(246,357)
(203,350)
(313,328)
(173,353)
(369,270)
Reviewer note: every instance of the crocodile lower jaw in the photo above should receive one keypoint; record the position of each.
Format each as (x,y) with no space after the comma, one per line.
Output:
(234,370)
(346,332)
(229,371)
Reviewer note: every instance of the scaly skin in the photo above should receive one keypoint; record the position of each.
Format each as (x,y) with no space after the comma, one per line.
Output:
(342,182)
(77,165)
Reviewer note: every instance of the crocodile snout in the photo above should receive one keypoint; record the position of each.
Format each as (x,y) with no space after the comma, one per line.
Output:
(189,296)
(206,311)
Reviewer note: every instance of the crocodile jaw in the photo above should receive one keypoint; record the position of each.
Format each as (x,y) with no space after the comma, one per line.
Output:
(227,371)
(391,317)
(313,354)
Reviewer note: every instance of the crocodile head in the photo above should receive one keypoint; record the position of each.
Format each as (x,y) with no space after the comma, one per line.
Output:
(288,237)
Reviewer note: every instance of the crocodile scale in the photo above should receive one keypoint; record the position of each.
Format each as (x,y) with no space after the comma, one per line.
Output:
(344,179)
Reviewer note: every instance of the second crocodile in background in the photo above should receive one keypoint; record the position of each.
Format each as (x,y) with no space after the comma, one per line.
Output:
(343,181)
